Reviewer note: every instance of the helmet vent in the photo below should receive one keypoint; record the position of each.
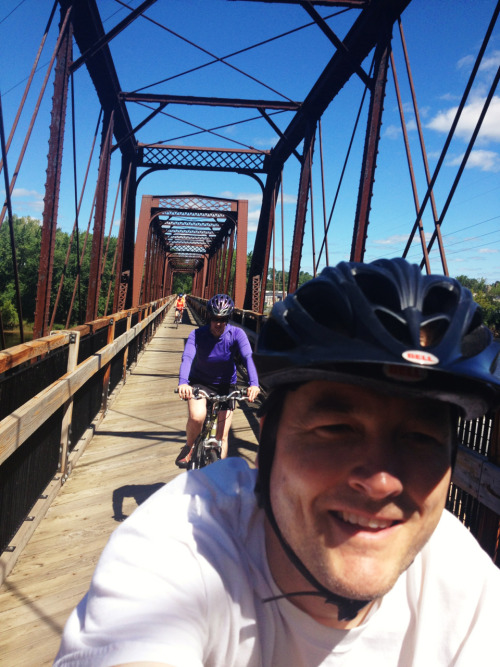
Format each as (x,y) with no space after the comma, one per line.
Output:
(440,300)
(326,307)
(394,326)
(432,332)
(378,290)
(274,338)
(476,341)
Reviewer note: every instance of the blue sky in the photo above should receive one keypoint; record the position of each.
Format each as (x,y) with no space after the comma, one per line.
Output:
(443,38)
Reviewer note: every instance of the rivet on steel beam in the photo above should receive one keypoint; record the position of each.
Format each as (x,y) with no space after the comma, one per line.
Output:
(72,338)
(44,496)
(30,518)
(10,549)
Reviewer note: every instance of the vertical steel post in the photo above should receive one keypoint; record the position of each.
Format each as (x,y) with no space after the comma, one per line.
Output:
(52,184)
(230,252)
(125,253)
(372,138)
(300,214)
(262,246)
(95,275)
(240,275)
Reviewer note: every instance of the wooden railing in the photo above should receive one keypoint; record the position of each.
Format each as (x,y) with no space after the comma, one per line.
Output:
(54,392)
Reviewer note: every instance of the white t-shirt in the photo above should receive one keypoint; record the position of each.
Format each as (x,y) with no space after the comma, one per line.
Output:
(182,582)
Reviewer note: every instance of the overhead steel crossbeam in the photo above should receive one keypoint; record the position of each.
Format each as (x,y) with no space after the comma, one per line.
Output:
(206,159)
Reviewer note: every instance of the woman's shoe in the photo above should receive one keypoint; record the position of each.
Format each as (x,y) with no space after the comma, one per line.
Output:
(184,457)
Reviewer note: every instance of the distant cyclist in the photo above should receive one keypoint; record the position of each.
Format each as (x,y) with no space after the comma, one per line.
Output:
(180,304)
(209,362)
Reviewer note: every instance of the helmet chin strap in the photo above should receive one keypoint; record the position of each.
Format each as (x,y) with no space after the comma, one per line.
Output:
(347,608)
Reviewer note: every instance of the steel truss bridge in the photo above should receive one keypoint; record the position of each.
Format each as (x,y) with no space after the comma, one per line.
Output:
(55,389)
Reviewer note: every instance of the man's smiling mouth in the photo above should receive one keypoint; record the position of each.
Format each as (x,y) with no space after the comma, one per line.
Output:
(363,521)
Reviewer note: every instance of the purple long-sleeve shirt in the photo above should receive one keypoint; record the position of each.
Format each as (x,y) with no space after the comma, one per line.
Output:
(211,360)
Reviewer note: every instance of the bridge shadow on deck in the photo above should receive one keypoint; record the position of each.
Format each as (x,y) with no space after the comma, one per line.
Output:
(131,455)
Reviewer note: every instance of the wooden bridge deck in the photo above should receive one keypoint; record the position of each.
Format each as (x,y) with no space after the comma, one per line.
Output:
(131,455)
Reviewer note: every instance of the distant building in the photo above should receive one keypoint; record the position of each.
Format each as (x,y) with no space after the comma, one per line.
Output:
(268,299)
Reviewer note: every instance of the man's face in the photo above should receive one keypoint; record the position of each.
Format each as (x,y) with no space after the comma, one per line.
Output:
(217,326)
(358,485)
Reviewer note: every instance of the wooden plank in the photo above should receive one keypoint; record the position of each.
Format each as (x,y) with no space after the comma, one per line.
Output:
(19,354)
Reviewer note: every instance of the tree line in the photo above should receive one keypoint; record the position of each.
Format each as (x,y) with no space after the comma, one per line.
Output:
(28,235)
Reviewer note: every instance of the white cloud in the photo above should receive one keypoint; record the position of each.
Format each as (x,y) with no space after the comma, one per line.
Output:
(479,159)
(27,199)
(491,63)
(392,131)
(466,62)
(264,142)
(392,240)
(399,239)
(490,129)
(411,125)
(254,198)
(488,251)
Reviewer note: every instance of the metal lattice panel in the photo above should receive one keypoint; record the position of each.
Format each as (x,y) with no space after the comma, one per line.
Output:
(196,202)
(211,159)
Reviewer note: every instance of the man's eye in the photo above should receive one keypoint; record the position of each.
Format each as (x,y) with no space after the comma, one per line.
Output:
(335,428)
(422,438)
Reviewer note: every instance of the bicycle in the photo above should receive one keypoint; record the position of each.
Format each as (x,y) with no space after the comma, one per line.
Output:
(207,448)
(177,318)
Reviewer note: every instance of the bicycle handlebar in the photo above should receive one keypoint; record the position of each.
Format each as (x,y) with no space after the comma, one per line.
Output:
(200,393)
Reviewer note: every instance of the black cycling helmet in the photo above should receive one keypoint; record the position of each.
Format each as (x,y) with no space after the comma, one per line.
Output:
(220,305)
(384,323)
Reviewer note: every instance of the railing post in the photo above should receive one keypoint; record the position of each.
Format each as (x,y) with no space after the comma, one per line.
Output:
(489,528)
(125,352)
(74,346)
(107,372)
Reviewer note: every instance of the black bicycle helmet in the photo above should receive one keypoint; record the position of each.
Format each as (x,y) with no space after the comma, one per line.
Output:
(220,305)
(384,323)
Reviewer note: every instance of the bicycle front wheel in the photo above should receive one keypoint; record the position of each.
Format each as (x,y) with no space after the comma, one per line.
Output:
(197,456)
(210,456)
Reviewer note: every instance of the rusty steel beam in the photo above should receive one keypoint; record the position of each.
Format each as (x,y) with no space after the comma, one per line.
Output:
(209,101)
(240,275)
(372,138)
(105,39)
(52,184)
(95,273)
(325,28)
(363,36)
(262,245)
(88,30)
(300,214)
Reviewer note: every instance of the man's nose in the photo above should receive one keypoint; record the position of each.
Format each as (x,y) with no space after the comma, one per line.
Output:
(378,476)
(375,484)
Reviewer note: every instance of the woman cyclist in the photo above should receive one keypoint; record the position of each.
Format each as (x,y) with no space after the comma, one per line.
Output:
(208,362)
